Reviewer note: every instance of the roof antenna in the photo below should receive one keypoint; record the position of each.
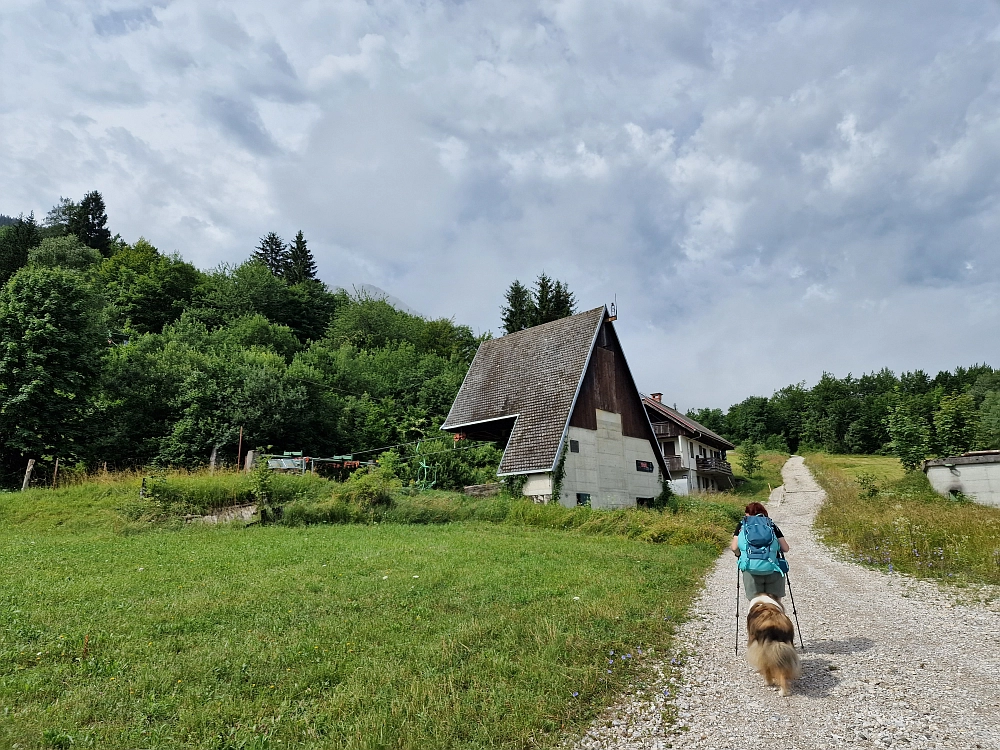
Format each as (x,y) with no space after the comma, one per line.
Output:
(613,315)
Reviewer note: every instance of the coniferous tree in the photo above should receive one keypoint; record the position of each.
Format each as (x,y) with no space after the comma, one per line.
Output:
(301,265)
(273,253)
(544,292)
(519,313)
(563,301)
(16,240)
(89,223)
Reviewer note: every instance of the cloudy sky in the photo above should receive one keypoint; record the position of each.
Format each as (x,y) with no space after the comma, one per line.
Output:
(769,189)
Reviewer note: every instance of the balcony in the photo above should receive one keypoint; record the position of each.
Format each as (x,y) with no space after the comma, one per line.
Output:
(674,464)
(712,465)
(666,429)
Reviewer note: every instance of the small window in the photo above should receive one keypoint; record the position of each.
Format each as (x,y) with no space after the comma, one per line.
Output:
(574,446)
(691,448)
(644,466)
(583,498)
(644,502)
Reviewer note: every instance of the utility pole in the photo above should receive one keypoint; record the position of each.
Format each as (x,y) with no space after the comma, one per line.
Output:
(239,451)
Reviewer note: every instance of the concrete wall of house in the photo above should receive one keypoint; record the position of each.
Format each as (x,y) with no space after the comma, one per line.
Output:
(538,487)
(981,482)
(605,467)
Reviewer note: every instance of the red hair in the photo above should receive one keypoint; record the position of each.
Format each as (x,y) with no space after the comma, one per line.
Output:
(756,509)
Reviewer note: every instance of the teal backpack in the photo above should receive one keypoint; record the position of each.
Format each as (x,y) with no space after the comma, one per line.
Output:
(759,546)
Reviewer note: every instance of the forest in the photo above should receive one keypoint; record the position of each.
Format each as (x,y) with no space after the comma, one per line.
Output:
(912,415)
(121,355)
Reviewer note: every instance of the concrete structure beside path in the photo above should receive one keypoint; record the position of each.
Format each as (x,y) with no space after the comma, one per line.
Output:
(975,475)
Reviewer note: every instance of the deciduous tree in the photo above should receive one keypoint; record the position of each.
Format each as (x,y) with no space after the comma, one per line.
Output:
(51,339)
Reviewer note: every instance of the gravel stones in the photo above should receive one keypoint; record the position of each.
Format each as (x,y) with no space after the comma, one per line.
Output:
(889,661)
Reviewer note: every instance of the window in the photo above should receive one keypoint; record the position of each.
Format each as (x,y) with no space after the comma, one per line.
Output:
(574,446)
(668,448)
(691,448)
(644,502)
(583,498)
(644,466)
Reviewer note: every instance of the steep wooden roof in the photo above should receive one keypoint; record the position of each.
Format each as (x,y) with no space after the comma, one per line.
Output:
(660,412)
(533,375)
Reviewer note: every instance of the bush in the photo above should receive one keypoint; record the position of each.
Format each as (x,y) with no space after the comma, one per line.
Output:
(370,490)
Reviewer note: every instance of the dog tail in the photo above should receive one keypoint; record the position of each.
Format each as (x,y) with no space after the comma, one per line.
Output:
(775,656)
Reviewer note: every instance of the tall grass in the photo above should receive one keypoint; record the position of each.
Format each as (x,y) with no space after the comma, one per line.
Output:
(896,521)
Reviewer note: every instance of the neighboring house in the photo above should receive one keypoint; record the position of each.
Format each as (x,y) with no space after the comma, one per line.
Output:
(562,393)
(975,474)
(695,456)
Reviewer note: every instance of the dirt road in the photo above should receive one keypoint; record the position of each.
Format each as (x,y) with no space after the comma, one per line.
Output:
(889,662)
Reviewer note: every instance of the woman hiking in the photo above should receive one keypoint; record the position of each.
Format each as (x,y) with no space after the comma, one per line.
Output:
(757,542)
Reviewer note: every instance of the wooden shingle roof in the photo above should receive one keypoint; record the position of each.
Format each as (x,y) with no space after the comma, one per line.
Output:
(533,375)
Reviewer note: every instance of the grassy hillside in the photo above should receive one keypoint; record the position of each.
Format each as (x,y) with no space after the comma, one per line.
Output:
(121,627)
(895,521)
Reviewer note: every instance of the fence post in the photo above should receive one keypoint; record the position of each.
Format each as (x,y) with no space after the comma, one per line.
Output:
(27,474)
(55,473)
(251,459)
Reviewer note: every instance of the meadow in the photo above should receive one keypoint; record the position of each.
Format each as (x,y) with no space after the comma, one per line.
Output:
(437,622)
(893,520)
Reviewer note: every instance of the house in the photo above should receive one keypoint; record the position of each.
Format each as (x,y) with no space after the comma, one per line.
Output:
(975,474)
(562,400)
(695,456)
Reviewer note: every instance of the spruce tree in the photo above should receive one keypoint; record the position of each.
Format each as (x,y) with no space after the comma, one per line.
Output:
(544,290)
(89,223)
(519,313)
(563,301)
(301,265)
(272,253)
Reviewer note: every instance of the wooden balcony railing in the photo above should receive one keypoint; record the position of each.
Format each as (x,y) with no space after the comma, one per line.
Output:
(673,463)
(666,429)
(712,465)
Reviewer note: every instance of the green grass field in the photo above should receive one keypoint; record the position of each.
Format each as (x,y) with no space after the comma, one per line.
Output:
(122,629)
(892,520)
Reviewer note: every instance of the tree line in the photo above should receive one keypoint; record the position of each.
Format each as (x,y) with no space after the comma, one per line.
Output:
(117,353)
(913,415)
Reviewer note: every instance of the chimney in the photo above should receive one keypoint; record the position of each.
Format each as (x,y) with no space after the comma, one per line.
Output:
(657,397)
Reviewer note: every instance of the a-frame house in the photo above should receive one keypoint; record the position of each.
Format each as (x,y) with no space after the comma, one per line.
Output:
(562,400)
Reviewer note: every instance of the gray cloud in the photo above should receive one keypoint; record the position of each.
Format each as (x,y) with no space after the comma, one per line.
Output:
(770,190)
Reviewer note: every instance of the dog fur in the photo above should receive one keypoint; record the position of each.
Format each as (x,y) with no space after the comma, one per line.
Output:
(771,643)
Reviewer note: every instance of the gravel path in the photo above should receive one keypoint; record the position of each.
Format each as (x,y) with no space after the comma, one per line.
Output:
(889,662)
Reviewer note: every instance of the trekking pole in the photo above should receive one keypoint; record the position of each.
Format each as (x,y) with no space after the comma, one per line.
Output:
(795,614)
(737,610)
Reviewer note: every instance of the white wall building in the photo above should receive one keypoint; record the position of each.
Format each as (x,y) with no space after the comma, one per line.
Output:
(976,475)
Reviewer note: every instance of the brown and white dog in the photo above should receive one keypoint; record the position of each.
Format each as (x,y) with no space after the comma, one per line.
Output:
(771,642)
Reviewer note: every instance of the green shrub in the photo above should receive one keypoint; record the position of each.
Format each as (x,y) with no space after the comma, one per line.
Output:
(370,490)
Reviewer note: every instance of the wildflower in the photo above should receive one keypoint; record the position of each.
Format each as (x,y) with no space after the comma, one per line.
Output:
(575,695)
(609,671)
(416,576)
(611,653)
(576,598)
(385,578)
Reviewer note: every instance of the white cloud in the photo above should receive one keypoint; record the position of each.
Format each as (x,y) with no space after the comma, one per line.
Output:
(770,191)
